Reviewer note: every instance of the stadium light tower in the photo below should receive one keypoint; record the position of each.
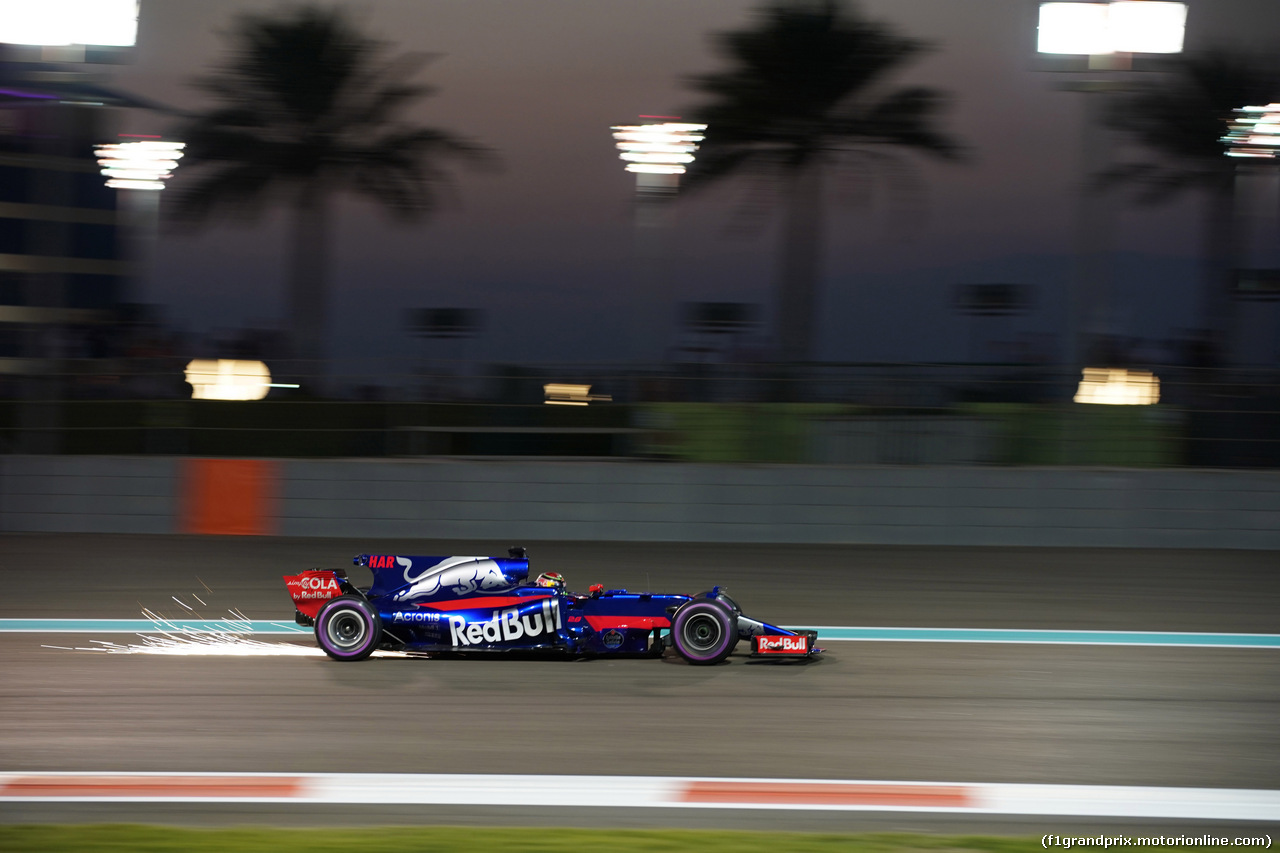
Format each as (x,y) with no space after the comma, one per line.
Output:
(657,154)
(65,109)
(142,164)
(1100,36)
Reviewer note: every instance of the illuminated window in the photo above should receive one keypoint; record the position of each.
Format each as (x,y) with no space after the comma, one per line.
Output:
(1118,387)
(229,379)
(560,394)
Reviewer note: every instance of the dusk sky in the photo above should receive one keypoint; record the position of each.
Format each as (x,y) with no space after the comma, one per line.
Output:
(547,247)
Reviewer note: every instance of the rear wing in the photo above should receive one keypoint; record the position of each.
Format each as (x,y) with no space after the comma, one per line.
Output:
(312,588)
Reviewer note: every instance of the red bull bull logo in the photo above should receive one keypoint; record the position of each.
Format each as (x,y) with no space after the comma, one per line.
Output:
(456,575)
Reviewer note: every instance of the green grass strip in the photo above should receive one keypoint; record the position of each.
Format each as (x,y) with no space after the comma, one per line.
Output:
(119,838)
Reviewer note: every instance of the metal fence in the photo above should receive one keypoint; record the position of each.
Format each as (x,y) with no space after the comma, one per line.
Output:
(852,414)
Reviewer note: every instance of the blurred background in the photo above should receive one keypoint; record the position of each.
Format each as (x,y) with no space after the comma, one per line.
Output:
(404,223)
(910,314)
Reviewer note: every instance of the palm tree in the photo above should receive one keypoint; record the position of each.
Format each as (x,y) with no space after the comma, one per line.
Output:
(1182,117)
(306,105)
(805,91)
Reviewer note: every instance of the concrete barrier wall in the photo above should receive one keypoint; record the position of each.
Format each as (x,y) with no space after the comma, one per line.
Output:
(88,494)
(638,501)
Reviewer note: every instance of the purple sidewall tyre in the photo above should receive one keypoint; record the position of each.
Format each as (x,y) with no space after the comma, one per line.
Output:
(348,628)
(704,632)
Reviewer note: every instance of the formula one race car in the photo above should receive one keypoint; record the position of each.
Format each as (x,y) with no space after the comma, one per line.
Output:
(486,604)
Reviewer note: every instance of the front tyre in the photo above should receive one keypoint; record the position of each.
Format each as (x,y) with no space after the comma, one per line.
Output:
(704,632)
(348,628)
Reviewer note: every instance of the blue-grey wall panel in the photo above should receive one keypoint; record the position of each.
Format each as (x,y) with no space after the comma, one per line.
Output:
(638,501)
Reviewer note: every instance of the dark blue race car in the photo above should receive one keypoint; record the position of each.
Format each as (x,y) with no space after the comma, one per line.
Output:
(487,604)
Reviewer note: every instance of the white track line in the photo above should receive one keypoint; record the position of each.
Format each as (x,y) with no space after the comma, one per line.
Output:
(646,792)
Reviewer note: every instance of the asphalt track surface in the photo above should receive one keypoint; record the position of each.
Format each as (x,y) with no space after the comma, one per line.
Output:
(890,711)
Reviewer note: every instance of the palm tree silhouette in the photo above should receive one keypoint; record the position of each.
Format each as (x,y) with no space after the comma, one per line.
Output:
(804,92)
(1182,117)
(307,105)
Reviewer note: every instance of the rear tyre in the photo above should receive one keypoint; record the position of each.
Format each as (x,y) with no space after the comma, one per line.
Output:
(348,628)
(704,632)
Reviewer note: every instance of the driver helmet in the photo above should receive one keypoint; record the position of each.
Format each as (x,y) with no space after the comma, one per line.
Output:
(554,580)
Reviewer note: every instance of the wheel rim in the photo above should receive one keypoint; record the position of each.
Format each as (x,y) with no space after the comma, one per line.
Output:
(702,632)
(346,629)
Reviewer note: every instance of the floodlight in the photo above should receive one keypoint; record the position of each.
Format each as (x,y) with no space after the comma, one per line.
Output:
(1147,26)
(1255,133)
(1118,387)
(142,165)
(229,379)
(1123,26)
(1073,28)
(69,22)
(658,149)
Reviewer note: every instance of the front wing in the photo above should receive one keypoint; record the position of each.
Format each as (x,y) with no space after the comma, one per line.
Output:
(799,644)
